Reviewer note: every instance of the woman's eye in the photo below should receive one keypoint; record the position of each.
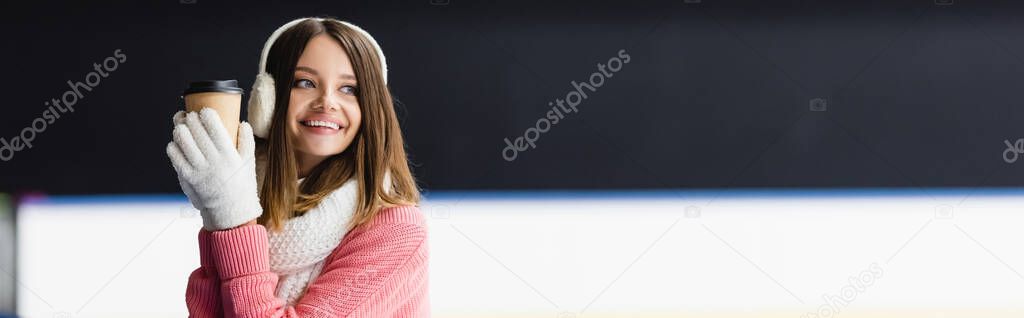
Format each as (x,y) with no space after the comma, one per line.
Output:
(348,89)
(304,83)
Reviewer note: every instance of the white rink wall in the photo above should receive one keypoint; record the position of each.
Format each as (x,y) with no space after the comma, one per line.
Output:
(946,253)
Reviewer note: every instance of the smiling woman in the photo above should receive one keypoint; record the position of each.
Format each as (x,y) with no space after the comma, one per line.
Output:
(336,231)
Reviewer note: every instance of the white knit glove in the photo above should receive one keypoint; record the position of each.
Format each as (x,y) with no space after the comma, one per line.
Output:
(218,179)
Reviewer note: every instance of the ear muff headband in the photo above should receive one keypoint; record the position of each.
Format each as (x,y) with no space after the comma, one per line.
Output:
(261,100)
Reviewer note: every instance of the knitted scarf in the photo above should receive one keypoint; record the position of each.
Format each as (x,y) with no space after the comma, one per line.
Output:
(298,251)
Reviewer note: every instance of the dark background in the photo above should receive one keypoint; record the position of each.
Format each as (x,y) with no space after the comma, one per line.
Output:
(716,94)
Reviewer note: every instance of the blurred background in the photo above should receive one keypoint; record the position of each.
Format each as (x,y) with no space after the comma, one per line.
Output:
(732,158)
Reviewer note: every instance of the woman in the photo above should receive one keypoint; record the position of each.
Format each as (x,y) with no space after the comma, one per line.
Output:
(317,216)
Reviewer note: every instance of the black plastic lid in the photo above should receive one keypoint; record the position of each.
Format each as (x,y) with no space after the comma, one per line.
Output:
(225,86)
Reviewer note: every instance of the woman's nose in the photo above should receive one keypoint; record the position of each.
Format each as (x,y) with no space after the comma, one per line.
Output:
(327,101)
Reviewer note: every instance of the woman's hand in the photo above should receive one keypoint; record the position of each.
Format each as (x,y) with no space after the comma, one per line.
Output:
(218,179)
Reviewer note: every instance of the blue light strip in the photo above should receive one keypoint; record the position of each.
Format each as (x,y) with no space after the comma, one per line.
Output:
(720,193)
(592,195)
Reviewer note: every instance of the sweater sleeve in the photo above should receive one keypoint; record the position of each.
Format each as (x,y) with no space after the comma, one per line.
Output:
(202,296)
(378,270)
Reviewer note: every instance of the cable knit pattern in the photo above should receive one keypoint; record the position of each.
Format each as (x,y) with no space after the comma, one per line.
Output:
(297,252)
(378,270)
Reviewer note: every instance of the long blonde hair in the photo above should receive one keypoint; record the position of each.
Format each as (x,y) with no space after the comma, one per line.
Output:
(376,153)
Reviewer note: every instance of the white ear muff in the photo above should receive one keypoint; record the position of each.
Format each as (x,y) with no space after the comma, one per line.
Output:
(261,100)
(261,104)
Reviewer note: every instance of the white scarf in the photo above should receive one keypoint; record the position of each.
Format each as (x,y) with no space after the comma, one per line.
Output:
(298,251)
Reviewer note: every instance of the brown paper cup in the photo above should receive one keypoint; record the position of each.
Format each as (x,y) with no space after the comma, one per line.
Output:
(223,96)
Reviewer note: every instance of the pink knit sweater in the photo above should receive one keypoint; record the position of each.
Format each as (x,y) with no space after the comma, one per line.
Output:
(378,270)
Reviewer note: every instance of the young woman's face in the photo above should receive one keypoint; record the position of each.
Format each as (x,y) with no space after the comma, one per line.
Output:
(323,112)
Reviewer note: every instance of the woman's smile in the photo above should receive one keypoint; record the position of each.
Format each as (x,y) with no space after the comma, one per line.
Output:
(323,125)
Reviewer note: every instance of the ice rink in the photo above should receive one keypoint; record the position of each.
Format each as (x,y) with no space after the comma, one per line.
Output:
(735,253)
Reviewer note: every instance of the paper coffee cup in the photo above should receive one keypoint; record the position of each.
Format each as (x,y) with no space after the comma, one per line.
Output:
(223,96)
